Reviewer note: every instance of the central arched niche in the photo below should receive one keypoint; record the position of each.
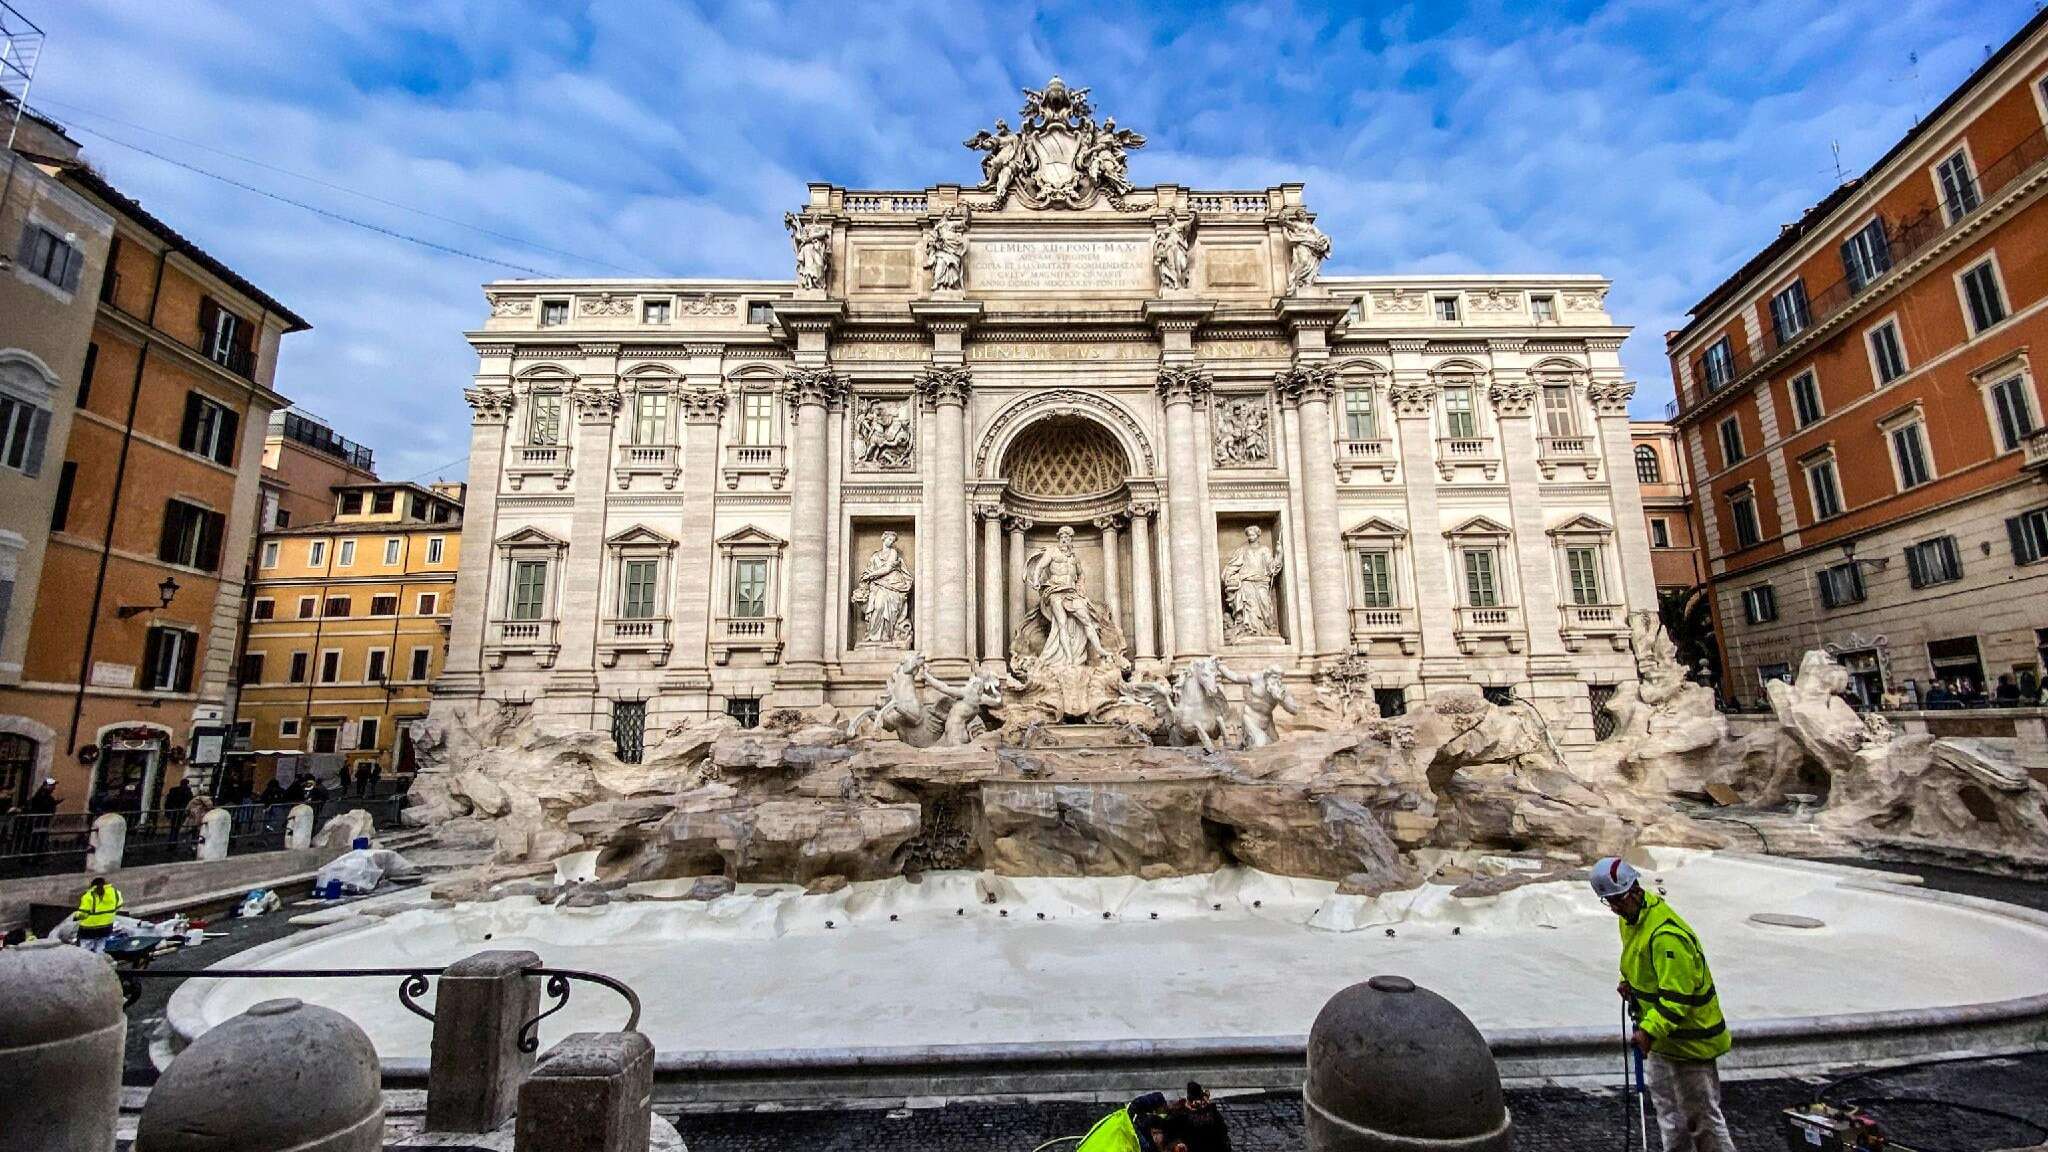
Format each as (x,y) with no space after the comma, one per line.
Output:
(1065,458)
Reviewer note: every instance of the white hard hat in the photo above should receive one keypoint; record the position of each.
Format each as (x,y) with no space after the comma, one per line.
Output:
(1613,877)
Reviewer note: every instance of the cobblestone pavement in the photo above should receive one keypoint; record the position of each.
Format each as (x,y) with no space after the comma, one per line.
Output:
(1546,1119)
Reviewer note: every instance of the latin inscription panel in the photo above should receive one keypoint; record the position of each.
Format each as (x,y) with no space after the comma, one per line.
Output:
(1059,265)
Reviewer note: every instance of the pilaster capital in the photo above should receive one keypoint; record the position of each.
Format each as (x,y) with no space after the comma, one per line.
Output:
(1411,398)
(1184,383)
(1306,383)
(1107,523)
(1143,509)
(816,386)
(1512,395)
(986,510)
(1611,397)
(702,405)
(1018,523)
(943,384)
(596,405)
(489,405)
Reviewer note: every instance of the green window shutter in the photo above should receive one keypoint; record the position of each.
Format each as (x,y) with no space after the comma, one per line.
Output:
(224,443)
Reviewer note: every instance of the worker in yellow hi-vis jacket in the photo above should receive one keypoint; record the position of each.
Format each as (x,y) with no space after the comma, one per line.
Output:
(95,914)
(1664,976)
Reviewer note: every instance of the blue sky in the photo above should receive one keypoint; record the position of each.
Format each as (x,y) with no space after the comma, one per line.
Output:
(1658,143)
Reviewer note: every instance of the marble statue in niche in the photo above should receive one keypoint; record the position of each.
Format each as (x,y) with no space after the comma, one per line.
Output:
(813,240)
(1264,691)
(1251,603)
(1073,631)
(1244,434)
(1173,249)
(881,434)
(1307,247)
(883,596)
(945,251)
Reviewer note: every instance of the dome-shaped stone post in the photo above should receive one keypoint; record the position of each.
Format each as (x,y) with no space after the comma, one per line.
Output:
(213,834)
(108,844)
(283,1075)
(298,827)
(62,1038)
(1393,1066)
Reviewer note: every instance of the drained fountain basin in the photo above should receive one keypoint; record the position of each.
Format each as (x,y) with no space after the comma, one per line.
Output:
(771,977)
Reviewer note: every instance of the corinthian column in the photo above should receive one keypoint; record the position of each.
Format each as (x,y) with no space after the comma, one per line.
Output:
(1112,580)
(991,516)
(944,389)
(1181,386)
(1013,581)
(1146,637)
(1610,399)
(1514,399)
(462,670)
(1309,387)
(1413,395)
(803,673)
(702,407)
(597,400)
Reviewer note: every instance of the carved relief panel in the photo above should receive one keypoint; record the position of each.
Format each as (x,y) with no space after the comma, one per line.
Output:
(1243,430)
(884,431)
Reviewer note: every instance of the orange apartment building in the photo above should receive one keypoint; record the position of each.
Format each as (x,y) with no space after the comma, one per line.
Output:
(1667,506)
(348,627)
(1862,414)
(132,635)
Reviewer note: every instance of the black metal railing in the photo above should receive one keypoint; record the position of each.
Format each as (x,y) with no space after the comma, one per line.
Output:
(1905,239)
(321,438)
(412,984)
(34,844)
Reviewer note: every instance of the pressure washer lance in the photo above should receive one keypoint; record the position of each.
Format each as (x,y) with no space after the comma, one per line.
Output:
(1631,1054)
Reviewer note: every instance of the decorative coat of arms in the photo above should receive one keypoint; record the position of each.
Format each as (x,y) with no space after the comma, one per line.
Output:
(1059,157)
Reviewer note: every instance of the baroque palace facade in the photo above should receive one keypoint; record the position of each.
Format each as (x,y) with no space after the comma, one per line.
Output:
(1054,426)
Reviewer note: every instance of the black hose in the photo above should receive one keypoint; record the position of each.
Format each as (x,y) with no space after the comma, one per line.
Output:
(1837,1085)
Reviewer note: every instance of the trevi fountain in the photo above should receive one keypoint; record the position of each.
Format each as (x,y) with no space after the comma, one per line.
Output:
(1061,611)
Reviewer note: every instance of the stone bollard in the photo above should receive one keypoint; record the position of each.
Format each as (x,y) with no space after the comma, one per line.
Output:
(108,844)
(476,1066)
(62,1039)
(213,834)
(285,1076)
(1392,1066)
(298,827)
(593,1092)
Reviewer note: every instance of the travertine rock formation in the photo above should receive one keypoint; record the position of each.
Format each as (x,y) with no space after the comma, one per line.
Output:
(808,803)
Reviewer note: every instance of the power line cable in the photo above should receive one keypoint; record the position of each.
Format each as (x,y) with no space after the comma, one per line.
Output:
(438,469)
(316,209)
(524,243)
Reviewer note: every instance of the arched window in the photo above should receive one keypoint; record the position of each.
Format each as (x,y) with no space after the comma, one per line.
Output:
(17,769)
(1648,470)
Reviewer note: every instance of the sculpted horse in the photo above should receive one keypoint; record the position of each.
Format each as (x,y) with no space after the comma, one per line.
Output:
(962,717)
(1190,710)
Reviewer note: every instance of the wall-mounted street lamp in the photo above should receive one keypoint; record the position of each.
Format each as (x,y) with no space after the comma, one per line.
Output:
(1849,555)
(166,592)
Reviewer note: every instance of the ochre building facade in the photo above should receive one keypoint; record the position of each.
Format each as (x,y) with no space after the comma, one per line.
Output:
(348,624)
(125,674)
(1861,409)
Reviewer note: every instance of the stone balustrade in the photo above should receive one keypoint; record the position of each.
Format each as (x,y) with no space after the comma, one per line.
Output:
(742,460)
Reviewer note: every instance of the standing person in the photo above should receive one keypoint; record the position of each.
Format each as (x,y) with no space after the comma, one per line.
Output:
(175,802)
(95,914)
(1679,1028)
(363,778)
(42,808)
